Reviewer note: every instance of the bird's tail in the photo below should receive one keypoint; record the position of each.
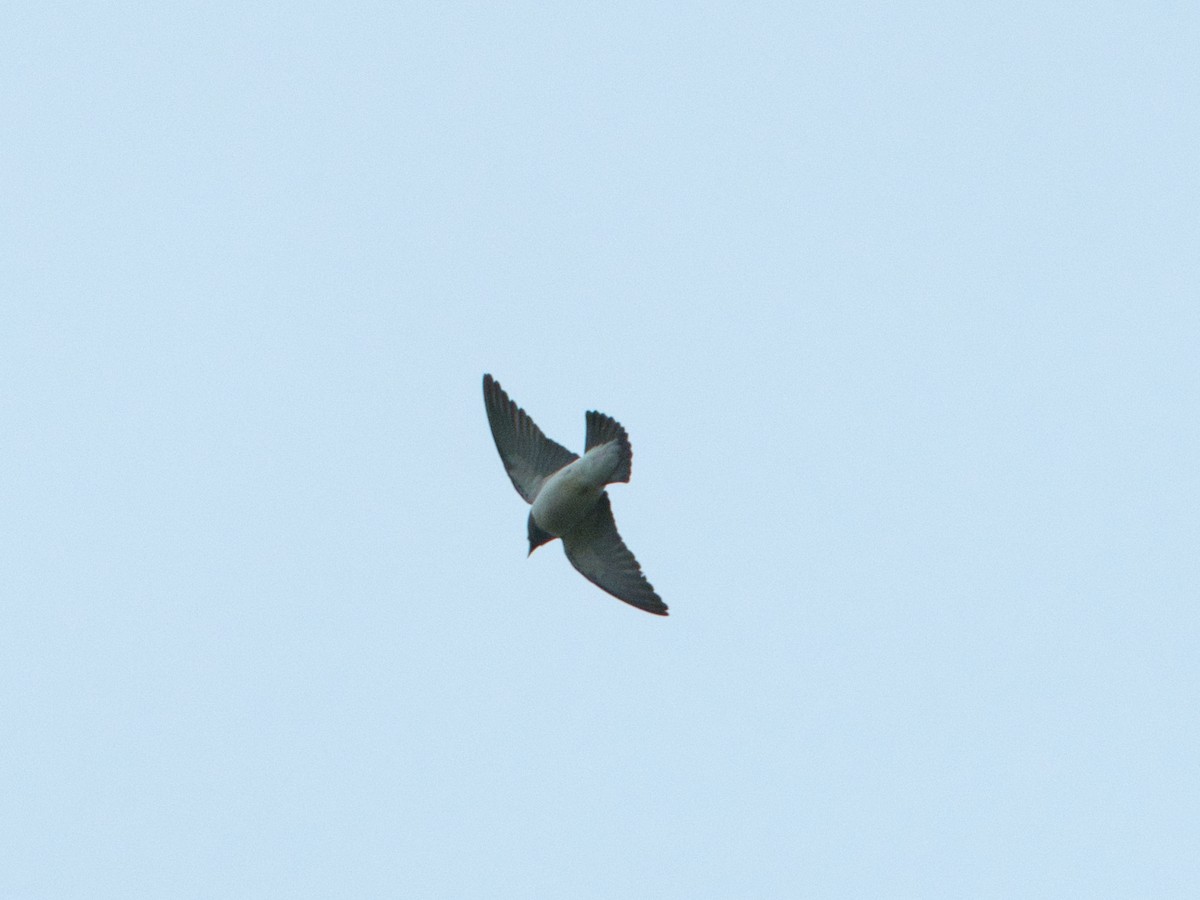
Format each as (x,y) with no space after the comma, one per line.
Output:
(602,429)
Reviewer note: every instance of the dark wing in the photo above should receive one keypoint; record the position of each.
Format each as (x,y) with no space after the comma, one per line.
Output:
(528,455)
(597,551)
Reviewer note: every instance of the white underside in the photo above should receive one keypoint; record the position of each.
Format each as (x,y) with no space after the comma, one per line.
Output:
(573,490)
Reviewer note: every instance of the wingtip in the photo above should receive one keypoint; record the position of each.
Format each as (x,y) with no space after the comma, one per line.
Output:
(660,609)
(492,392)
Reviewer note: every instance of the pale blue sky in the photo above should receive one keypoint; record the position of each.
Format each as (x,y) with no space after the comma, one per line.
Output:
(899,302)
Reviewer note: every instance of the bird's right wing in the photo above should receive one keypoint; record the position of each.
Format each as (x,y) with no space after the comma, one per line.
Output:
(595,548)
(528,455)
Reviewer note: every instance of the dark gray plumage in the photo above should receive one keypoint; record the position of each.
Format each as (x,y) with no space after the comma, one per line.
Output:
(567,496)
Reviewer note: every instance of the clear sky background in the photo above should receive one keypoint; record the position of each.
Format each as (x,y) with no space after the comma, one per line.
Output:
(899,302)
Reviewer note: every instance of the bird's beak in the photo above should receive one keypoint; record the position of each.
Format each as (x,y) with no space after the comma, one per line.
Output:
(537,536)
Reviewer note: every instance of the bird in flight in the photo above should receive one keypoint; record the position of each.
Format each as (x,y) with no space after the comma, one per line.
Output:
(567,496)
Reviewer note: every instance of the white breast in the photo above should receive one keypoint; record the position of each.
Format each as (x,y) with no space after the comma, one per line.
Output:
(570,492)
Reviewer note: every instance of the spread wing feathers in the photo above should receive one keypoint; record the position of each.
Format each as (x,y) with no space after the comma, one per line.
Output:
(595,548)
(528,455)
(600,430)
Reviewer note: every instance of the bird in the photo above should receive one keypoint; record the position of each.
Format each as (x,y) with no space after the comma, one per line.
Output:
(566,494)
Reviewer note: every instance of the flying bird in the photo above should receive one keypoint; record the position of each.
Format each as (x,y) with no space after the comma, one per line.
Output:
(567,496)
